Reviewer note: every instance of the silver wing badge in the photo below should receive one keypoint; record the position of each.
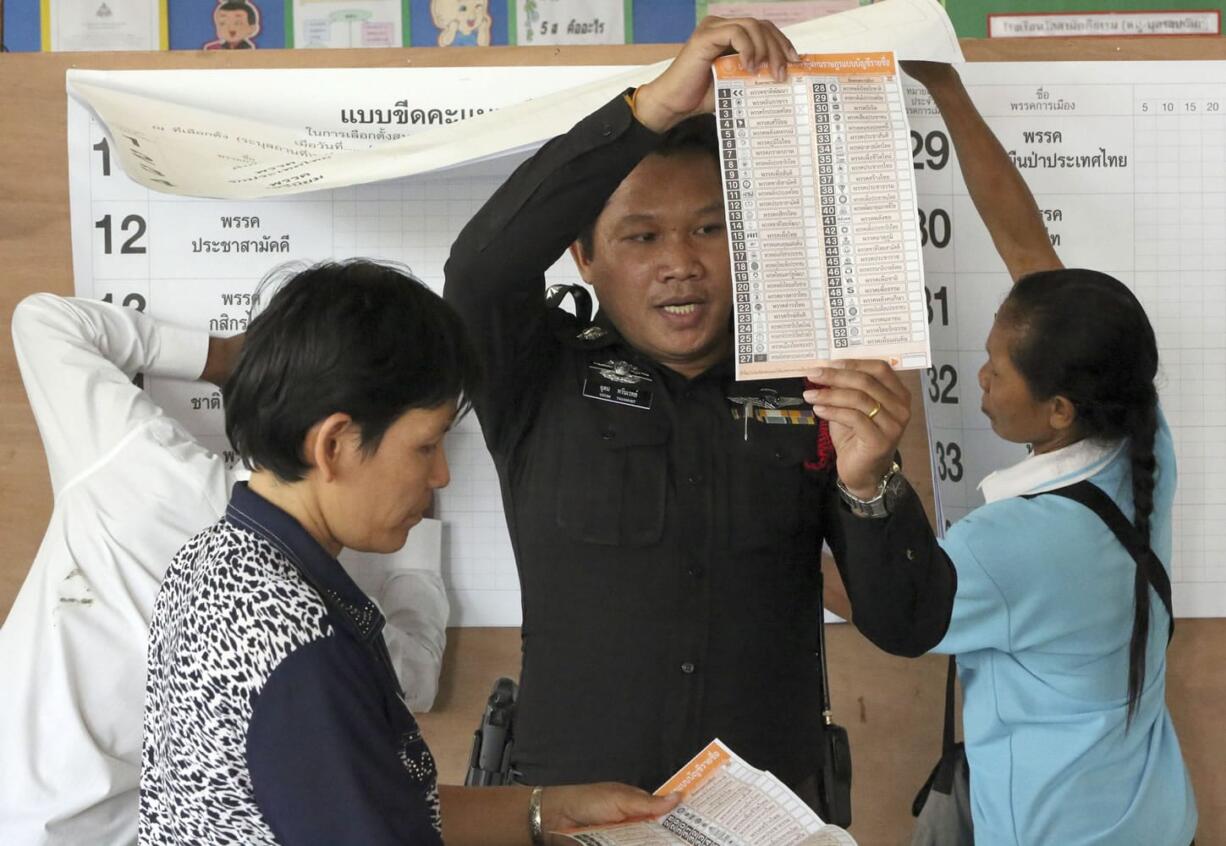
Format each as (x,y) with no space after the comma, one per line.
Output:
(621,371)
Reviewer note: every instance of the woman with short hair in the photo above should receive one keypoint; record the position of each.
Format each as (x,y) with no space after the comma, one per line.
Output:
(273,714)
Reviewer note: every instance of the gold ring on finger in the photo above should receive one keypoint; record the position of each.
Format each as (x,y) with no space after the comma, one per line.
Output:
(876,409)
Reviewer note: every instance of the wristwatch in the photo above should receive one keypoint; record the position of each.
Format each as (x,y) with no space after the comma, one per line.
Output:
(892,486)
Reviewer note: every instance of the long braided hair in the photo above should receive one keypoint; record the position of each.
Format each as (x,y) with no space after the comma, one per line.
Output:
(1083,335)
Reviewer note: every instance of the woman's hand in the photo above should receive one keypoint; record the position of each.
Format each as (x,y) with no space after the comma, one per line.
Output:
(597,804)
(868,409)
(685,87)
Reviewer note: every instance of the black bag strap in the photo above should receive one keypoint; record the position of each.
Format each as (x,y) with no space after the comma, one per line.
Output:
(1095,498)
(821,648)
(943,776)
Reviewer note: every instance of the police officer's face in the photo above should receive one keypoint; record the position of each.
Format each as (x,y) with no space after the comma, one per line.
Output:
(659,261)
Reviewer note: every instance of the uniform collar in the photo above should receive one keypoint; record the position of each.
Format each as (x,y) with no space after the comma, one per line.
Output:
(609,335)
(1051,470)
(596,335)
(350,608)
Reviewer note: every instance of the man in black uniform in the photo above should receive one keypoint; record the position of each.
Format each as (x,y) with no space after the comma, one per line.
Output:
(668,536)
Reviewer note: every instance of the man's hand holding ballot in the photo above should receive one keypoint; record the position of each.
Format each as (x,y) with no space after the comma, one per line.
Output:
(686,88)
(868,409)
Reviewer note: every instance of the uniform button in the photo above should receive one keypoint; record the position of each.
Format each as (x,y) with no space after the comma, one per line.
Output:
(696,571)
(695,479)
(606,130)
(687,667)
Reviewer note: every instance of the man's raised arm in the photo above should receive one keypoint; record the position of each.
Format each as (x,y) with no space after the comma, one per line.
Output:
(495,276)
(77,359)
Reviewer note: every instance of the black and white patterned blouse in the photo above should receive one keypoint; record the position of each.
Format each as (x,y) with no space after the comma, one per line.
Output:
(272,714)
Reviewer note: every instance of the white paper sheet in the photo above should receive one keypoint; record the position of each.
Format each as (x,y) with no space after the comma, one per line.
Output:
(182,139)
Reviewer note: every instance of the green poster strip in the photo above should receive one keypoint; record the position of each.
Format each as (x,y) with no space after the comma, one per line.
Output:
(512,22)
(629,21)
(289,23)
(970,17)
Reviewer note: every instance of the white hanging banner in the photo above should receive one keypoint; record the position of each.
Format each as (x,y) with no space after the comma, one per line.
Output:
(172,134)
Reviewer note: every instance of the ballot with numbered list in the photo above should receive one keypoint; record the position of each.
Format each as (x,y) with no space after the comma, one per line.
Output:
(727,803)
(823,233)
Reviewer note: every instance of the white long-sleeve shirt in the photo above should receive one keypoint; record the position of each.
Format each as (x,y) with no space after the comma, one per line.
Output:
(130,485)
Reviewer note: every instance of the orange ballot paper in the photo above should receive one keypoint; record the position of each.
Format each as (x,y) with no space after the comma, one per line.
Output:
(823,228)
(727,803)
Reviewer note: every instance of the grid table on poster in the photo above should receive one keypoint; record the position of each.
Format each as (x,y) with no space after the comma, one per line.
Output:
(1128,164)
(1156,220)
(137,248)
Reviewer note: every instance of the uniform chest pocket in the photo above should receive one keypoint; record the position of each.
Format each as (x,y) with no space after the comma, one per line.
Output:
(613,480)
(773,497)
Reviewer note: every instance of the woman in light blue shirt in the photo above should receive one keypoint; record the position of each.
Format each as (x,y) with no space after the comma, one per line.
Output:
(1060,638)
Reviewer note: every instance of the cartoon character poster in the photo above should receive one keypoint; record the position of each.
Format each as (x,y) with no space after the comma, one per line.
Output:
(458,23)
(237,23)
(462,23)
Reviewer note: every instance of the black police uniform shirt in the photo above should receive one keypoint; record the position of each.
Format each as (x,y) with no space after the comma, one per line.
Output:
(272,713)
(668,548)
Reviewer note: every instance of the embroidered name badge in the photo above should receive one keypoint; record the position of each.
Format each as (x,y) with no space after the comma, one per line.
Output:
(618,382)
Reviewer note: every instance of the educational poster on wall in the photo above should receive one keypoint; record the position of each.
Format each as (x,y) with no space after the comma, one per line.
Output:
(347,23)
(103,25)
(779,12)
(458,23)
(576,22)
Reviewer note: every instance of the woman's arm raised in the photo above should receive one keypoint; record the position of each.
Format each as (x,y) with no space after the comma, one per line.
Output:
(1000,195)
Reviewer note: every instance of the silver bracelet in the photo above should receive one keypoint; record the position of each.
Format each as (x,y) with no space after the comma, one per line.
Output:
(534,816)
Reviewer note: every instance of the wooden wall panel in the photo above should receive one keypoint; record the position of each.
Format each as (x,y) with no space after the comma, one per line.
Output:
(891,706)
